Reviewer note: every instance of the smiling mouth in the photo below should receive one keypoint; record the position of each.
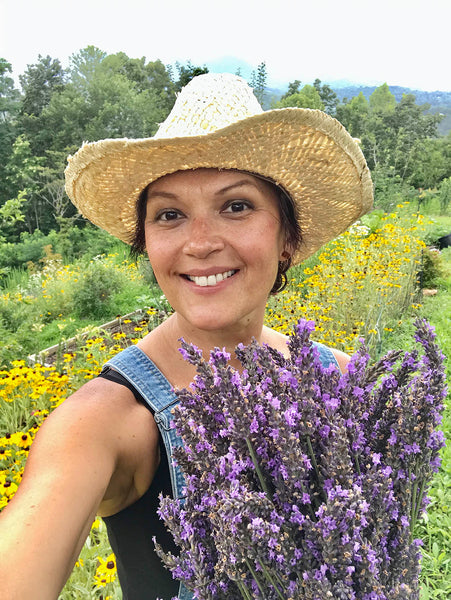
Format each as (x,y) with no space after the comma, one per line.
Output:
(210,280)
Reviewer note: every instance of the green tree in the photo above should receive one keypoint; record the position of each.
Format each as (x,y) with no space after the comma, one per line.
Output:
(353,114)
(84,66)
(258,82)
(10,214)
(102,97)
(107,97)
(398,140)
(9,95)
(22,175)
(382,100)
(186,73)
(9,109)
(411,128)
(308,97)
(445,194)
(38,84)
(145,76)
(433,165)
(293,88)
(377,147)
(328,97)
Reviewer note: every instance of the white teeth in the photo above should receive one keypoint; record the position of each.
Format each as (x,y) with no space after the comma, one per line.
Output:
(211,280)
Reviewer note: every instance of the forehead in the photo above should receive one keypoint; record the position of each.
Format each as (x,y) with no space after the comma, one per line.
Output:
(212,178)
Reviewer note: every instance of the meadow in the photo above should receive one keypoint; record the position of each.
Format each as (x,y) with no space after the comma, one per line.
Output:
(369,283)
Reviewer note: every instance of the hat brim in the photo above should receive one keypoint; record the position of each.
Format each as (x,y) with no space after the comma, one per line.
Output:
(307,152)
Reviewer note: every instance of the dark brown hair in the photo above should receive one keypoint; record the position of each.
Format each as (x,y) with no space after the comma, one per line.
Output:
(288,220)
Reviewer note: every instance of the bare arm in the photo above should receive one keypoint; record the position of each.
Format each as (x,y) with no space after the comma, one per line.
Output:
(89,456)
(342,359)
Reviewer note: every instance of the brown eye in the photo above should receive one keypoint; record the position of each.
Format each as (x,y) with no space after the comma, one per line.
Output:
(168,215)
(237,206)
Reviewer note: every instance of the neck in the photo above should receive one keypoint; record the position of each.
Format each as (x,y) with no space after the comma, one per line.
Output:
(206,340)
(162,346)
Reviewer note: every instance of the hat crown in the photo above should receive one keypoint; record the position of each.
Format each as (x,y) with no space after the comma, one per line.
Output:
(209,102)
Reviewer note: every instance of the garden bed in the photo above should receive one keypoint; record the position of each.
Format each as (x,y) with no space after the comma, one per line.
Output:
(126,325)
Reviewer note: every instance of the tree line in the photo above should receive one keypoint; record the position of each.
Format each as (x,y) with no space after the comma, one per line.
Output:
(104,95)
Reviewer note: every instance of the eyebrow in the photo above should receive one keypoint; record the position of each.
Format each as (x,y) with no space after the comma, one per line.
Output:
(161,194)
(240,183)
(172,196)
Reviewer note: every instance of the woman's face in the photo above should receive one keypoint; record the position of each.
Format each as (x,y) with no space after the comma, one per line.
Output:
(214,241)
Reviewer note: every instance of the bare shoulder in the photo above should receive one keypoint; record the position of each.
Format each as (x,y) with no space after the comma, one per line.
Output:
(276,340)
(280,341)
(101,430)
(105,408)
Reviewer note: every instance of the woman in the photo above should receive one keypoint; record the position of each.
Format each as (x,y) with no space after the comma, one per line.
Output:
(223,199)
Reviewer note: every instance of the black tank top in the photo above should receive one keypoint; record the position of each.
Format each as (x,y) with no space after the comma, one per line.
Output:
(141,573)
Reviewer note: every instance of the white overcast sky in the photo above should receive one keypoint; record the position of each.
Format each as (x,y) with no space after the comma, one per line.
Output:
(401,42)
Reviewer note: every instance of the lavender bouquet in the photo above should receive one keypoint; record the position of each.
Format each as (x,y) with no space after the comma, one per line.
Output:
(302,483)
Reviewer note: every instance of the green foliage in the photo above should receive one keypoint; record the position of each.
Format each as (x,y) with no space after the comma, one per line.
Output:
(435,229)
(433,164)
(308,97)
(396,137)
(186,73)
(93,293)
(22,175)
(9,108)
(354,115)
(293,88)
(72,243)
(328,97)
(11,211)
(258,82)
(432,269)
(382,100)
(445,194)
(39,82)
(84,66)
(54,300)
(389,189)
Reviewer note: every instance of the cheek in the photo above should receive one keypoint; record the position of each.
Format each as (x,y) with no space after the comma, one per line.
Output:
(158,257)
(156,245)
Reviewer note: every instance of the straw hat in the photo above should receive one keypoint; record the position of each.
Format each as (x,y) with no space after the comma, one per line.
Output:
(217,122)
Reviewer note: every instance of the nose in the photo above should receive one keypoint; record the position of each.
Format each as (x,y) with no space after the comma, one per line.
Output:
(202,238)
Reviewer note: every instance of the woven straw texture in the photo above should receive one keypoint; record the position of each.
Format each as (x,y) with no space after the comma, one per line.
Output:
(217,122)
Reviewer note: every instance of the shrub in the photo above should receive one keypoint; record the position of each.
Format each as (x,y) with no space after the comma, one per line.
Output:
(432,268)
(93,292)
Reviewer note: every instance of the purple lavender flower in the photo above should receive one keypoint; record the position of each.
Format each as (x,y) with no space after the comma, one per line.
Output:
(302,483)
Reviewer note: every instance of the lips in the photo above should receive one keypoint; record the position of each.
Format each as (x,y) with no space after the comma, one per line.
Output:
(210,280)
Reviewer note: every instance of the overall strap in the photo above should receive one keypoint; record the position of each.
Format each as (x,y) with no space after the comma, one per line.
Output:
(133,364)
(326,356)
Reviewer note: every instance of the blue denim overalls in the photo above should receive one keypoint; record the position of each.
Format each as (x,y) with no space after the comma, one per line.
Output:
(133,364)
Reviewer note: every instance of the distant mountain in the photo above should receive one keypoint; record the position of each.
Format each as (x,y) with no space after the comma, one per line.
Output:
(433,98)
(439,101)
